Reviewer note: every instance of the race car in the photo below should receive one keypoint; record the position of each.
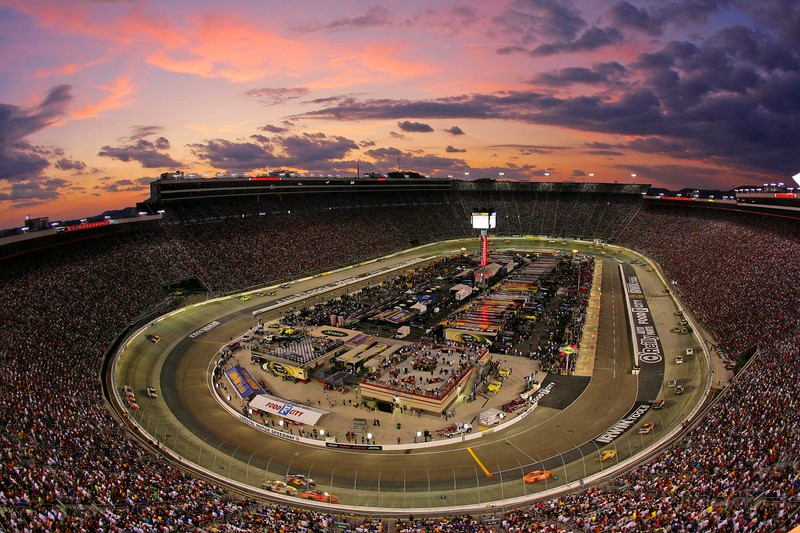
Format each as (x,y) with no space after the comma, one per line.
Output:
(605,455)
(658,404)
(276,485)
(494,386)
(245,297)
(679,389)
(300,480)
(151,392)
(271,293)
(538,475)
(646,428)
(284,285)
(319,496)
(154,338)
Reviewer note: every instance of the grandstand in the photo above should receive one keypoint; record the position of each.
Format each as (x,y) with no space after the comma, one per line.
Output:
(68,465)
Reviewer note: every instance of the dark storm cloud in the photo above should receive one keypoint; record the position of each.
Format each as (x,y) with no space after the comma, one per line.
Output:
(603,73)
(603,146)
(343,99)
(473,106)
(272,129)
(70,164)
(529,149)
(33,192)
(149,154)
(592,39)
(125,185)
(668,147)
(314,147)
(528,21)
(415,127)
(609,153)
(309,150)
(463,15)
(270,96)
(625,15)
(376,16)
(783,16)
(140,132)
(233,156)
(453,150)
(729,98)
(423,163)
(455,130)
(19,159)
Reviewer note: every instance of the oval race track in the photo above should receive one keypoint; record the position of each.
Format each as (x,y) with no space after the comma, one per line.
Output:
(188,421)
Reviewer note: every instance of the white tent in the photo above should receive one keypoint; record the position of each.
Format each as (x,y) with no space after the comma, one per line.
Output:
(293,411)
(419,307)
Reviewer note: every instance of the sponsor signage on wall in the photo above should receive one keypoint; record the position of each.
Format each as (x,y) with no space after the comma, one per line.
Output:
(625,423)
(647,345)
(290,410)
(243,383)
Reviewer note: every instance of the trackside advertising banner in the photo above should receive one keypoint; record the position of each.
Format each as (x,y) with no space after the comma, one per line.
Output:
(293,411)
(647,345)
(648,351)
(243,383)
(629,420)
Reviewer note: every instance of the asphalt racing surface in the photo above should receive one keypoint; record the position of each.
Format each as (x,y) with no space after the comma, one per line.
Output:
(558,436)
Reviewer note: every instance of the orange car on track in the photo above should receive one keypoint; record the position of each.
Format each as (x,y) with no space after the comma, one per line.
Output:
(539,475)
(319,496)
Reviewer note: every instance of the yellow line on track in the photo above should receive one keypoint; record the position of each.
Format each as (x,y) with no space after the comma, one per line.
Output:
(480,464)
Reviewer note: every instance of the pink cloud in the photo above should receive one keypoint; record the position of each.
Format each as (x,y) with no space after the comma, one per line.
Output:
(118,94)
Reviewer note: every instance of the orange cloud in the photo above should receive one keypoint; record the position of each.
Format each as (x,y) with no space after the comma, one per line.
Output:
(117,97)
(218,46)
(69,69)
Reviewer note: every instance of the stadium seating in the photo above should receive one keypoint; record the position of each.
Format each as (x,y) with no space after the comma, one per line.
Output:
(66,465)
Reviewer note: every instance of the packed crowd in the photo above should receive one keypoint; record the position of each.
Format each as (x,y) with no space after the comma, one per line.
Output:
(68,466)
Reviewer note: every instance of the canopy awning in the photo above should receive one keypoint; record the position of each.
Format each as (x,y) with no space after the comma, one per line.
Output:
(293,411)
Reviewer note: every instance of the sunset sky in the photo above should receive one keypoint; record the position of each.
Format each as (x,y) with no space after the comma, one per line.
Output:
(97,98)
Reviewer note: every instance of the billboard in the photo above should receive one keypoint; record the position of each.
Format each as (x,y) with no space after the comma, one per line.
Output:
(484,219)
(284,370)
(469,336)
(243,383)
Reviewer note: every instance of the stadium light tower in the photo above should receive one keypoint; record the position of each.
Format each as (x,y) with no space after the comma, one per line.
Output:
(484,219)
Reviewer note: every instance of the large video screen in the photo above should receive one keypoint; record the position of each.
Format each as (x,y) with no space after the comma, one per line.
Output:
(484,220)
